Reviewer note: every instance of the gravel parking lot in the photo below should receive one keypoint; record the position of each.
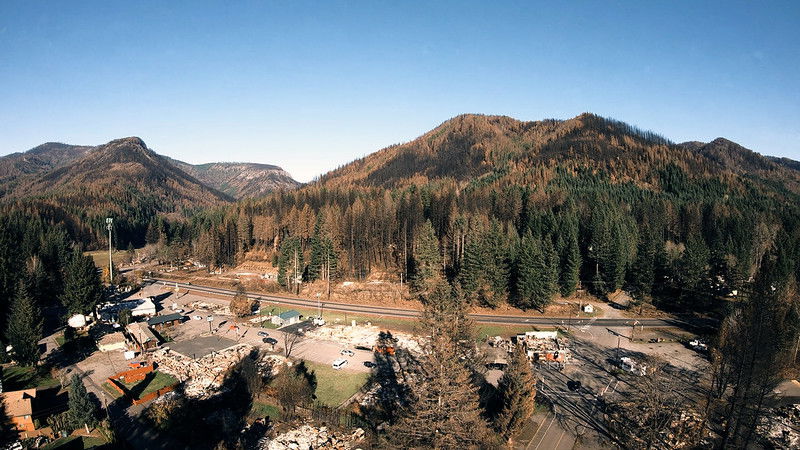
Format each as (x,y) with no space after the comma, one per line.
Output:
(233,331)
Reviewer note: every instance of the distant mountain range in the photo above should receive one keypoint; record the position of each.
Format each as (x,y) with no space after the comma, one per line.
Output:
(81,185)
(54,167)
(238,179)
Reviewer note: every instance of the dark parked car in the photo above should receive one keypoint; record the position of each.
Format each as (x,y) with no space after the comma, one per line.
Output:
(369,364)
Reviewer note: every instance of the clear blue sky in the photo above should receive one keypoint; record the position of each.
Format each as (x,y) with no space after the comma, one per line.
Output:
(310,86)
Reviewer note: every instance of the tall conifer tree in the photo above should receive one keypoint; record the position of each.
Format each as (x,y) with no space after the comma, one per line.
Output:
(25,327)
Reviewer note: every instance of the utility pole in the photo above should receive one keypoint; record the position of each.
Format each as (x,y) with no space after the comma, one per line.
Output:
(109,227)
(328,274)
(295,272)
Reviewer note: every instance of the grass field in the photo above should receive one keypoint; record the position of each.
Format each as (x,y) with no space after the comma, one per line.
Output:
(100,257)
(16,378)
(71,442)
(336,386)
(484,330)
(335,317)
(110,390)
(260,410)
(152,383)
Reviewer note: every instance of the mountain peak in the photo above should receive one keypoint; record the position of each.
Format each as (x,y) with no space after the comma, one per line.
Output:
(131,140)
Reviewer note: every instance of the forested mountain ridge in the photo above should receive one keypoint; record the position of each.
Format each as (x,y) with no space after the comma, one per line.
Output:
(240,179)
(37,160)
(123,179)
(475,148)
(515,212)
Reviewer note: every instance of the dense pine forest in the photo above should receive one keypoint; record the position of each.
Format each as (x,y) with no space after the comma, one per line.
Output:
(663,221)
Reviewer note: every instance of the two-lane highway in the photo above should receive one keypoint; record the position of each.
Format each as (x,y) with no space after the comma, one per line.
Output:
(411,314)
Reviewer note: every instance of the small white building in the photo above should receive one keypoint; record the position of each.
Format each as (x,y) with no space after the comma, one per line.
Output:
(140,307)
(553,334)
(588,309)
(286,318)
(77,321)
(112,342)
(145,307)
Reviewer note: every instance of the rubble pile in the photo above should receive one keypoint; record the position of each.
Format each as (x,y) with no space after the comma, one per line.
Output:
(212,307)
(203,376)
(683,426)
(310,437)
(782,427)
(362,336)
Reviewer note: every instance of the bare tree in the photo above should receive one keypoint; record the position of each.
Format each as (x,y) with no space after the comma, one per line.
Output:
(751,352)
(289,341)
(294,386)
(650,416)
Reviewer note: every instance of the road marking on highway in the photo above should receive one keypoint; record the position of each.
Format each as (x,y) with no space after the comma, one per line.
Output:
(536,433)
(563,432)
(545,433)
(585,327)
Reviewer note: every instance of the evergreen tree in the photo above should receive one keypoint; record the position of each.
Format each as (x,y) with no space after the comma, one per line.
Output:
(427,259)
(54,256)
(536,281)
(83,411)
(550,260)
(517,391)
(9,269)
(82,287)
(444,412)
(496,268)
(693,270)
(25,327)
(570,262)
(153,234)
(643,271)
(291,258)
(472,266)
(322,253)
(446,311)
(37,281)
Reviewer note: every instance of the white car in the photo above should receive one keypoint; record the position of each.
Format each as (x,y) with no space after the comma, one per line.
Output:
(197,317)
(339,363)
(698,345)
(346,353)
